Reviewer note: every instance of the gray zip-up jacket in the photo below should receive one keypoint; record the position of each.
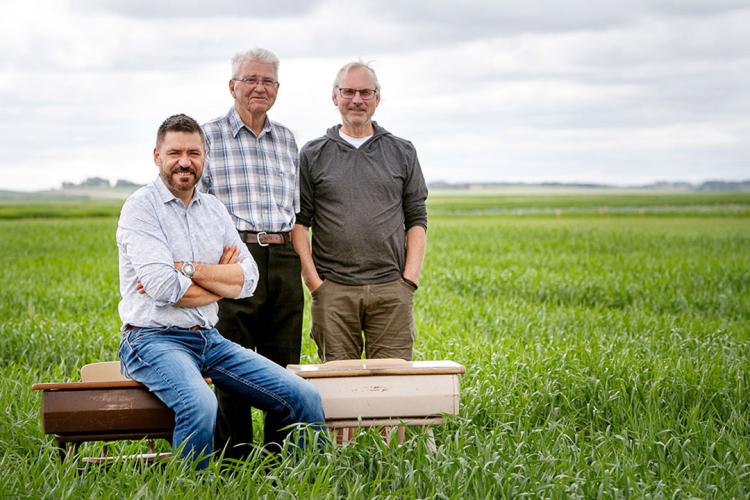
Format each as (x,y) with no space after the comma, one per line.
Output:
(359,203)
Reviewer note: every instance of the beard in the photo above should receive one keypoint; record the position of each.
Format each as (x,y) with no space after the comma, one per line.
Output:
(181,179)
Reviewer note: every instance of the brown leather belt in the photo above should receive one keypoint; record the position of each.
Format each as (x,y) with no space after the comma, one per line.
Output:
(264,239)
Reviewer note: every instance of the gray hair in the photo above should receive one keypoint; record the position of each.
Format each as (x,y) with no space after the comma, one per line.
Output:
(258,55)
(355,65)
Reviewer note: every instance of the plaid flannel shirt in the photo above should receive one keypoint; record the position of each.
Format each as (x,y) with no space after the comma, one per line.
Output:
(257,178)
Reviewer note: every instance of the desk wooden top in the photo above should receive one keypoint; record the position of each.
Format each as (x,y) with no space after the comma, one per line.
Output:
(374,367)
(344,368)
(78,386)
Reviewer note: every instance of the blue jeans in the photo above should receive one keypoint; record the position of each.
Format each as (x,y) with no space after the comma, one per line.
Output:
(172,363)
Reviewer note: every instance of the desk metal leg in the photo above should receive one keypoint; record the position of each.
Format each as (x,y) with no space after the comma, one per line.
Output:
(66,448)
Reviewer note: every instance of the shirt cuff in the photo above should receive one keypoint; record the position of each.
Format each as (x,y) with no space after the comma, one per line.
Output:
(183,283)
(250,278)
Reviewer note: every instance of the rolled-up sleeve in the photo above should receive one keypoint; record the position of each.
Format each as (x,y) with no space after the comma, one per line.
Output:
(415,193)
(305,211)
(250,273)
(145,248)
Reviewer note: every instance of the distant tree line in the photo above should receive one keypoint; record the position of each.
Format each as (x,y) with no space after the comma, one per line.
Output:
(100,183)
(707,186)
(743,186)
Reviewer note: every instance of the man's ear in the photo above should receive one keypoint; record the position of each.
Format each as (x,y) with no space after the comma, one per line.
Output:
(231,88)
(156,157)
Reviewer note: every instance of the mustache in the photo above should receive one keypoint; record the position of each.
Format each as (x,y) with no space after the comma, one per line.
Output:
(183,170)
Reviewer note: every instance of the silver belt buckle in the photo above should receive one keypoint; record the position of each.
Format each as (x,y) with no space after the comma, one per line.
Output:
(257,237)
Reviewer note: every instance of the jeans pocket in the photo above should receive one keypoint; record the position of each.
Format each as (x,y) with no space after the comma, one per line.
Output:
(134,336)
(126,352)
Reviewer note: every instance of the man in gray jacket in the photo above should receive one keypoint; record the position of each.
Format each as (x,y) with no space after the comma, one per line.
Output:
(363,194)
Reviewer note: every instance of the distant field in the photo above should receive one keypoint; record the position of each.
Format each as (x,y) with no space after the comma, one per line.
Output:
(606,356)
(595,202)
(56,209)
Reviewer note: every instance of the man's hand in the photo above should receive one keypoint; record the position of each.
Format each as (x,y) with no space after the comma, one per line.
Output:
(313,283)
(414,279)
(301,244)
(416,240)
(231,255)
(139,287)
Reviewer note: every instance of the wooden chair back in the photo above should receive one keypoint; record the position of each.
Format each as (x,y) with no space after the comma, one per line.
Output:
(106,371)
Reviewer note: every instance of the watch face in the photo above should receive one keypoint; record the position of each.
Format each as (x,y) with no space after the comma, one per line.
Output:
(188,269)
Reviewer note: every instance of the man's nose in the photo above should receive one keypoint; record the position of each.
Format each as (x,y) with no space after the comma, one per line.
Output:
(184,161)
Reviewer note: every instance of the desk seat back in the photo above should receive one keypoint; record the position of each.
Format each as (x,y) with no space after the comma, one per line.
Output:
(106,371)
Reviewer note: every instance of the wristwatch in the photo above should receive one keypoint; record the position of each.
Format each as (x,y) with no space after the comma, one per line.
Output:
(188,269)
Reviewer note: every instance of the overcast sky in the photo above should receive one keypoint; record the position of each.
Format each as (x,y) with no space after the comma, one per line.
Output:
(601,91)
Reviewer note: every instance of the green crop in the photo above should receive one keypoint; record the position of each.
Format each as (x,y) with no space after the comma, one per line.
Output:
(607,356)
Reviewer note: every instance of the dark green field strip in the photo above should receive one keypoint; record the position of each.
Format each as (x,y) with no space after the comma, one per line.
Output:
(60,209)
(553,205)
(728,210)
(613,205)
(592,201)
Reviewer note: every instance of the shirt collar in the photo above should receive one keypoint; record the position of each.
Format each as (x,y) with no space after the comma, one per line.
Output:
(236,124)
(165,195)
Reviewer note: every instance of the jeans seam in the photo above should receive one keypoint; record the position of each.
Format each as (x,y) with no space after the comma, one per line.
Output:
(241,380)
(206,344)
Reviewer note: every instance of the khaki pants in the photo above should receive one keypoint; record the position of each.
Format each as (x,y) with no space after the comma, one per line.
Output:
(384,312)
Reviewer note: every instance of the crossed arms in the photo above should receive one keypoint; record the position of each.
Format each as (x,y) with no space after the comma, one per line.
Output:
(211,282)
(153,245)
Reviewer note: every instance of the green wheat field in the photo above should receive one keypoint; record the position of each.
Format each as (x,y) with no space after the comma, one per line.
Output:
(606,340)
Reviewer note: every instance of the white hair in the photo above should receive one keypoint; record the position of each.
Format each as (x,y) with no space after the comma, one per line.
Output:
(258,55)
(355,65)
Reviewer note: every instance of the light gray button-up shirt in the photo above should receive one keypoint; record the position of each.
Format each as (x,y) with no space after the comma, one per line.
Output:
(155,231)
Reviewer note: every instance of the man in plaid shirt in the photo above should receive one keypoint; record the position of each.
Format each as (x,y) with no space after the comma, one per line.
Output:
(252,167)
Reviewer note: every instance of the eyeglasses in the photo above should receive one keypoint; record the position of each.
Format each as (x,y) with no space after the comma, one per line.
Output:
(254,81)
(365,94)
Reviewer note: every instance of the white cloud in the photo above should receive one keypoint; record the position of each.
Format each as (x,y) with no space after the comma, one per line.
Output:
(534,90)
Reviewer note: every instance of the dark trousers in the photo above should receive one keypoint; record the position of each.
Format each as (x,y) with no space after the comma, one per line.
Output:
(269,322)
